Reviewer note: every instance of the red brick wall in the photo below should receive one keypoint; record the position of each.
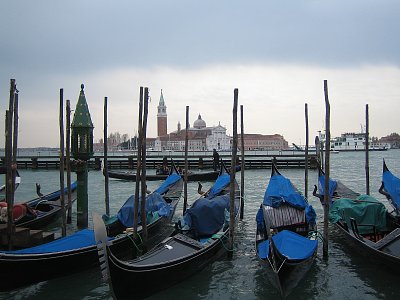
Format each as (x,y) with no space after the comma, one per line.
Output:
(161,126)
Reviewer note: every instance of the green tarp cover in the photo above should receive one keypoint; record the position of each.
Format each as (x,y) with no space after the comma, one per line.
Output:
(365,209)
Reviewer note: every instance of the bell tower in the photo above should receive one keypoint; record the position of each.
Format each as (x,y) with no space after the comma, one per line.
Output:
(161,117)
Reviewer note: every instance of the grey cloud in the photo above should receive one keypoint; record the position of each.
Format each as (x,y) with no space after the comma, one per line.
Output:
(94,35)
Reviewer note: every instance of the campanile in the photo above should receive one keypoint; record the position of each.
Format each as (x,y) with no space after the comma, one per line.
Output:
(161,117)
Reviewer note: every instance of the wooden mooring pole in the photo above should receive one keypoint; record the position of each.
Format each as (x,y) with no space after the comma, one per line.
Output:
(105,159)
(242,163)
(322,145)
(15,136)
(15,141)
(10,174)
(9,181)
(143,176)
(138,162)
(62,185)
(327,157)
(68,160)
(185,196)
(306,154)
(233,173)
(318,151)
(367,150)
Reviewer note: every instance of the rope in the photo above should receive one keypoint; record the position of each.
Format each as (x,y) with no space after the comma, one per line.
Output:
(223,244)
(133,240)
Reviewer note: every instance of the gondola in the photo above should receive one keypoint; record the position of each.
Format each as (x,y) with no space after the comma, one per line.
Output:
(38,212)
(200,237)
(365,222)
(390,188)
(284,240)
(78,251)
(192,176)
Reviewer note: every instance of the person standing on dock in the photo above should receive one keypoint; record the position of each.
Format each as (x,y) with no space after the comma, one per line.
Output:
(215,160)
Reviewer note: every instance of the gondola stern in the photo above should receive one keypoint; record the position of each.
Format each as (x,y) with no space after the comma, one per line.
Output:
(385,168)
(274,168)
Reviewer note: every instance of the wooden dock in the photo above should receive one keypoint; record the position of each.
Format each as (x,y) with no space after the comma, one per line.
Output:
(252,161)
(25,237)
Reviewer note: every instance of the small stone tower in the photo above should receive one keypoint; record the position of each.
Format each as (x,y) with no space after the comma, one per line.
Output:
(161,117)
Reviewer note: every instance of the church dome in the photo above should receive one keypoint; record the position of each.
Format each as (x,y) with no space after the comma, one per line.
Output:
(199,123)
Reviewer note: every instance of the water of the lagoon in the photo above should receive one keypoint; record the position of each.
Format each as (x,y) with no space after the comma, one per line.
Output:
(345,275)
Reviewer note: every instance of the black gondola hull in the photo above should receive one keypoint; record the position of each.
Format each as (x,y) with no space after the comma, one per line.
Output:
(288,274)
(131,176)
(365,249)
(20,270)
(49,207)
(130,282)
(176,258)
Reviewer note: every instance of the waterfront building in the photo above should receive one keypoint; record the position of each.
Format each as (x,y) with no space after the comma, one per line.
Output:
(200,138)
(263,142)
(391,141)
(205,138)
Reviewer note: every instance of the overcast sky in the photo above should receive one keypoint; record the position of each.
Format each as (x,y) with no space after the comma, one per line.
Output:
(277,53)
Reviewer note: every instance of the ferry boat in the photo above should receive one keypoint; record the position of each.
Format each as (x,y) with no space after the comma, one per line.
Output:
(352,142)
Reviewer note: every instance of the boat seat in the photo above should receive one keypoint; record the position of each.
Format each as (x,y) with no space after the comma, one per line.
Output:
(394,235)
(284,215)
(189,241)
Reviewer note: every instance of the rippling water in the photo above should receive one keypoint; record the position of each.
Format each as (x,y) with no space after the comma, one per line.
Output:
(345,275)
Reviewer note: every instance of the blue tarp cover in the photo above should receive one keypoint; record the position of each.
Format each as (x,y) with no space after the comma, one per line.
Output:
(294,246)
(263,249)
(81,239)
(207,216)
(154,204)
(290,244)
(168,182)
(281,190)
(311,215)
(260,219)
(321,186)
(221,183)
(392,186)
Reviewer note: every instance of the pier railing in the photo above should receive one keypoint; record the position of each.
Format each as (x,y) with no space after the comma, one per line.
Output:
(252,161)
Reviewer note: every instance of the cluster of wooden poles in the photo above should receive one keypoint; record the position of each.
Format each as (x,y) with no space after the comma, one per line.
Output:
(11,147)
(141,163)
(11,139)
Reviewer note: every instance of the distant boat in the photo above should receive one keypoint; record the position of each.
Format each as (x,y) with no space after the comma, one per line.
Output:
(352,142)
(192,176)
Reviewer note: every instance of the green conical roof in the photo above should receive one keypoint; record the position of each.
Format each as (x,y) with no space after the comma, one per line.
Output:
(82,115)
(161,103)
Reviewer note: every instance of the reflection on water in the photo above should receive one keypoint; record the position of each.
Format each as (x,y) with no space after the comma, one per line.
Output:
(345,275)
